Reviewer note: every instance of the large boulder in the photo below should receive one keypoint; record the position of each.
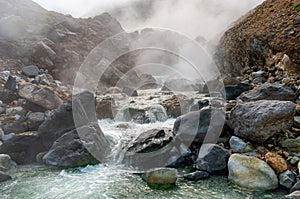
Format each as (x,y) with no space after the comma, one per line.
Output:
(68,151)
(269,92)
(43,97)
(214,160)
(251,172)
(23,147)
(54,127)
(260,120)
(194,126)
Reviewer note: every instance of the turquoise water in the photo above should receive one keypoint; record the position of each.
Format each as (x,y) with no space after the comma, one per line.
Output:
(113,182)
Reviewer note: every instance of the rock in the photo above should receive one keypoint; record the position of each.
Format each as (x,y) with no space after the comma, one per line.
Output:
(30,71)
(150,141)
(156,113)
(296,21)
(60,122)
(230,81)
(294,195)
(23,148)
(35,120)
(297,121)
(214,161)
(296,187)
(7,96)
(161,178)
(291,144)
(276,162)
(239,146)
(7,137)
(16,110)
(131,92)
(269,92)
(178,85)
(113,90)
(2,110)
(194,126)
(6,163)
(177,105)
(26,104)
(68,151)
(231,92)
(261,176)
(129,114)
(147,82)
(287,179)
(11,83)
(14,127)
(197,175)
(105,108)
(4,177)
(43,97)
(200,104)
(84,108)
(260,120)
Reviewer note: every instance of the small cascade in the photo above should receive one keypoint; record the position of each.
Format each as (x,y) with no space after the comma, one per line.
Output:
(157,113)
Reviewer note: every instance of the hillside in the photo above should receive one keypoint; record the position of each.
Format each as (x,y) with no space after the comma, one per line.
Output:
(262,37)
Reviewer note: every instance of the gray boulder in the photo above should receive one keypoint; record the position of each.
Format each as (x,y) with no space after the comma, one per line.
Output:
(68,151)
(194,126)
(239,146)
(30,71)
(251,172)
(213,159)
(260,120)
(23,147)
(269,92)
(150,140)
(287,179)
(34,120)
(4,177)
(197,175)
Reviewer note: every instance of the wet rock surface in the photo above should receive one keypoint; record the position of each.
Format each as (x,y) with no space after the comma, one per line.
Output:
(161,178)
(68,151)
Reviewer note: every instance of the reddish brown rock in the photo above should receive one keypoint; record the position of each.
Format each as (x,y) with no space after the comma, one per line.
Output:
(276,162)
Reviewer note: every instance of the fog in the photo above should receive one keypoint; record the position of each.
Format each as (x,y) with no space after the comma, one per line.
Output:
(205,18)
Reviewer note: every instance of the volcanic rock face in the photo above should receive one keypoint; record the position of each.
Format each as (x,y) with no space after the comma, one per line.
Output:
(50,40)
(268,30)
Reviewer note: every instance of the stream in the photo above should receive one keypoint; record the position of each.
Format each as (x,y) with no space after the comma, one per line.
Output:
(113,180)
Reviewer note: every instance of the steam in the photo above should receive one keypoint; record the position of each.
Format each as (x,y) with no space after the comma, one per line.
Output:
(205,18)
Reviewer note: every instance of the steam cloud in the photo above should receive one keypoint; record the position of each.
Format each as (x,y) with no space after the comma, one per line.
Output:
(205,18)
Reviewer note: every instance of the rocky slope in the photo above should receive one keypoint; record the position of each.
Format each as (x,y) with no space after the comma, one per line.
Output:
(30,34)
(261,38)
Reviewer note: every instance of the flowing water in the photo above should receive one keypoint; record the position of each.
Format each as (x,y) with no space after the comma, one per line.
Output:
(113,180)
